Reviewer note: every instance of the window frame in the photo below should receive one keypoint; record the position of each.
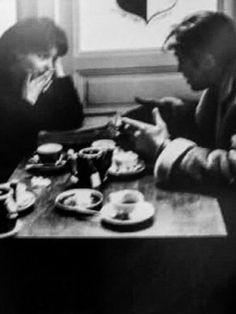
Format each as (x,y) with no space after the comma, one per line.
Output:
(127,61)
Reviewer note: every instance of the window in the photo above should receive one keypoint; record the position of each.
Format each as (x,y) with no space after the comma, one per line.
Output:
(104,26)
(116,55)
(8,14)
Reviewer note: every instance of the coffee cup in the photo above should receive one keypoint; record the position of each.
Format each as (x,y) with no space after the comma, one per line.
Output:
(50,152)
(8,214)
(125,201)
(108,146)
(93,157)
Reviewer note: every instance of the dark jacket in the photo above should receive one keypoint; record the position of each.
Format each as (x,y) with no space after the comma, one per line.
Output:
(59,108)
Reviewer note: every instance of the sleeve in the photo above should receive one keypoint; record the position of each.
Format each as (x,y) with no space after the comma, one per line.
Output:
(60,107)
(18,128)
(182,159)
(180,118)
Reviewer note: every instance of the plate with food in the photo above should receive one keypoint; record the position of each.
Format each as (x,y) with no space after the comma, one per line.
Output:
(126,163)
(25,201)
(142,213)
(82,201)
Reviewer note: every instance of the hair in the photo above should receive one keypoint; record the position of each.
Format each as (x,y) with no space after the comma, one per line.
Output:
(32,35)
(204,32)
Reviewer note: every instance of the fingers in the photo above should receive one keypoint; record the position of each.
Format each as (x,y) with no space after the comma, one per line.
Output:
(46,87)
(59,68)
(28,78)
(44,77)
(137,133)
(44,81)
(170,100)
(143,101)
(134,123)
(157,119)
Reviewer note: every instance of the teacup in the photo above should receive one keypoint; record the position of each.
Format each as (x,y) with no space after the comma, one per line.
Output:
(125,201)
(50,152)
(8,214)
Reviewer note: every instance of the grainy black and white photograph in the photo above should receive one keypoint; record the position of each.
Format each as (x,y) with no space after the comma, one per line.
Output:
(117,157)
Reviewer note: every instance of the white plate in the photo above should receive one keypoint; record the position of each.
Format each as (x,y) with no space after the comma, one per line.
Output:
(143,212)
(25,201)
(118,172)
(12,232)
(80,194)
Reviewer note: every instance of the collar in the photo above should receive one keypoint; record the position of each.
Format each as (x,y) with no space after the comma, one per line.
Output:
(226,85)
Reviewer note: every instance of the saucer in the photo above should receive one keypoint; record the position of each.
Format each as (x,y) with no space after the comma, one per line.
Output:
(25,201)
(117,171)
(12,232)
(81,201)
(142,213)
(34,164)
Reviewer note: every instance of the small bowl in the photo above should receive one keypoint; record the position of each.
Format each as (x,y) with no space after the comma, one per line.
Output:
(50,152)
(125,201)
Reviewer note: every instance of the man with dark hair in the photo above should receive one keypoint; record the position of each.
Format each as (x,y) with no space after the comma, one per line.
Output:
(205,46)
(35,93)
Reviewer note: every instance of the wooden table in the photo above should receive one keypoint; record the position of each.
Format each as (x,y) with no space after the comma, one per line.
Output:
(177,214)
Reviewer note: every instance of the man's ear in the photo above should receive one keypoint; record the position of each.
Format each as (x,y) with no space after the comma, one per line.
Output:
(208,61)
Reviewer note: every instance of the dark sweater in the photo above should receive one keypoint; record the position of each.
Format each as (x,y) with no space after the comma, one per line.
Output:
(57,109)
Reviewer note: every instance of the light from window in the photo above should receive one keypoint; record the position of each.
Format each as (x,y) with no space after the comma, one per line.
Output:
(105,26)
(8,14)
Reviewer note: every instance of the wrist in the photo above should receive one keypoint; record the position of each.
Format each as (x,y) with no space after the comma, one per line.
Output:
(161,147)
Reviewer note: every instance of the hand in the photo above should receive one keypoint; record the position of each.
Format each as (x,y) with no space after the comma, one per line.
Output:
(147,139)
(59,71)
(33,87)
(146,101)
(170,107)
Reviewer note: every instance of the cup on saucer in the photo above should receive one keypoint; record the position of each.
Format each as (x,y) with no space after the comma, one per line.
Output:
(125,202)
(49,153)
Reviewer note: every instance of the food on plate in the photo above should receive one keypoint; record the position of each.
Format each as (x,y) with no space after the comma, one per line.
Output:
(82,200)
(125,160)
